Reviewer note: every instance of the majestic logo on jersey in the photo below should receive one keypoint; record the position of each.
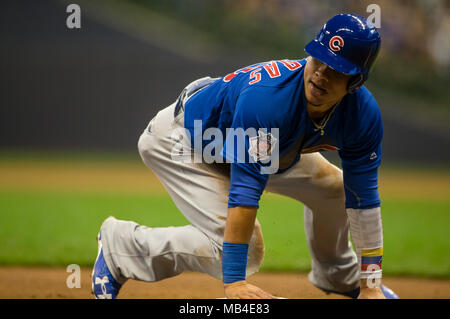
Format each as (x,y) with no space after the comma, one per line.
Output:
(261,146)
(336,43)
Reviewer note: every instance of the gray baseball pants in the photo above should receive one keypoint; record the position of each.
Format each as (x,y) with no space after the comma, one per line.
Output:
(200,192)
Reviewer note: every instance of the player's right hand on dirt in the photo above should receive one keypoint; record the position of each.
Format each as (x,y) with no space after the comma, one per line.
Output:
(244,290)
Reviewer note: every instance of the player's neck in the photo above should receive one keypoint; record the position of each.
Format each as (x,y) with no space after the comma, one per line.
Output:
(317,112)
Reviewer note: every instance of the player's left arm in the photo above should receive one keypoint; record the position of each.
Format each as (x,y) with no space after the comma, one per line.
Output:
(361,158)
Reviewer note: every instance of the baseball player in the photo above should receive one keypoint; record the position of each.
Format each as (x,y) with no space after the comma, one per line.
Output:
(226,140)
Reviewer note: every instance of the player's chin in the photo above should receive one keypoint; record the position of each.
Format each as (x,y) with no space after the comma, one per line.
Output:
(314,100)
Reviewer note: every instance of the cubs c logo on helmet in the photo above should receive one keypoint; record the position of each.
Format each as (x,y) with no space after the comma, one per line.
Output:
(336,43)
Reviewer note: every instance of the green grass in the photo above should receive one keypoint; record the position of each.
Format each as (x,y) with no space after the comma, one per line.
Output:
(59,228)
(416,237)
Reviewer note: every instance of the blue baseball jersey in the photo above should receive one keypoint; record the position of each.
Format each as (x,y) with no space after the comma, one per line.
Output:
(270,95)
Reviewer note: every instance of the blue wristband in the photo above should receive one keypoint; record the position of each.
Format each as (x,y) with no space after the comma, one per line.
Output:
(234,262)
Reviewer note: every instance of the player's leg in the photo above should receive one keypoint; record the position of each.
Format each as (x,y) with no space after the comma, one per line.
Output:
(144,253)
(319,185)
(200,192)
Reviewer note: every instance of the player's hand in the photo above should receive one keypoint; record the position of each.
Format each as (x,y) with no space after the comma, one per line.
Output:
(244,290)
(371,293)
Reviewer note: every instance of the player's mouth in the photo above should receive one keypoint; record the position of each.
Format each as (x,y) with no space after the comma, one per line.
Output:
(316,90)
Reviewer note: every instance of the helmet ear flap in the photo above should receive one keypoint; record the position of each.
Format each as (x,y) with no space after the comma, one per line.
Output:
(356,82)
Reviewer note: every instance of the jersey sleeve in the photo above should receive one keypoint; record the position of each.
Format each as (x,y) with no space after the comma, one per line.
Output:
(246,188)
(248,175)
(361,155)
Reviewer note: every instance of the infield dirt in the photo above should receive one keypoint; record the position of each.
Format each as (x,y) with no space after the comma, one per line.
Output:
(50,283)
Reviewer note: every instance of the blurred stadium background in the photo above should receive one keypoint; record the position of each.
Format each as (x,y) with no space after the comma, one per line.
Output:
(96,88)
(73,103)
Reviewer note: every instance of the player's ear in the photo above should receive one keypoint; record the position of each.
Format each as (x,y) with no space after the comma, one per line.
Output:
(355,83)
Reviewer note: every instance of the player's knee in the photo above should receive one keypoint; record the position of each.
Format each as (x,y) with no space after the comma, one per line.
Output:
(331,182)
(336,187)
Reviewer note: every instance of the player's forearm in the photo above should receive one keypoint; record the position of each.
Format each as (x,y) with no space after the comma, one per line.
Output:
(238,231)
(367,234)
(240,224)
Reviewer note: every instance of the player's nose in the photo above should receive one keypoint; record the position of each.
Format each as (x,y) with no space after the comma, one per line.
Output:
(322,72)
(321,78)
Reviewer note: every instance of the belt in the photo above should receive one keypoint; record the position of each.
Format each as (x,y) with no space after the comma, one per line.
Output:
(190,90)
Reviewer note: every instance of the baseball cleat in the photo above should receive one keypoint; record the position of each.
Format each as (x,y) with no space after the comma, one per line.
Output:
(104,286)
(388,293)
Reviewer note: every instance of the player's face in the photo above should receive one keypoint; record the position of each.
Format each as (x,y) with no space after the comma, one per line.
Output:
(323,85)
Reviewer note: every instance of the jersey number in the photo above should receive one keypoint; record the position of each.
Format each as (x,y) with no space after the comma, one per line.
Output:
(271,68)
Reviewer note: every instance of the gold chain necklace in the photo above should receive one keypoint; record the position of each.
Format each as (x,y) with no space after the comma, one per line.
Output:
(324,121)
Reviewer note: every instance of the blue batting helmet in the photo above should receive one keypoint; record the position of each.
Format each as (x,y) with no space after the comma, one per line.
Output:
(349,44)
